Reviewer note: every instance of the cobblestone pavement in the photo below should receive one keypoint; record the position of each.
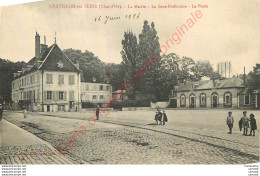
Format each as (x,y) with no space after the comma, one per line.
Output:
(132,138)
(32,154)
(18,146)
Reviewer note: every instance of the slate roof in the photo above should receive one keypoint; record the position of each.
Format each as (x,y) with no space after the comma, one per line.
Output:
(209,84)
(50,59)
(52,56)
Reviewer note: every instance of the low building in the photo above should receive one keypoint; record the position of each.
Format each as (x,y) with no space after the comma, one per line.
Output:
(97,93)
(224,93)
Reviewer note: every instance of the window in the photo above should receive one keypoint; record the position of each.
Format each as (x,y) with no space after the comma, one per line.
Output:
(203,100)
(247,99)
(94,87)
(227,98)
(49,79)
(61,79)
(61,95)
(71,95)
(107,87)
(49,95)
(101,87)
(25,81)
(71,79)
(183,100)
(101,97)
(22,82)
(94,97)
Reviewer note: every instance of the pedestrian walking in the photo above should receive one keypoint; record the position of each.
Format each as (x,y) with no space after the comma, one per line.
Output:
(245,123)
(97,112)
(24,113)
(252,124)
(165,119)
(160,116)
(156,117)
(230,121)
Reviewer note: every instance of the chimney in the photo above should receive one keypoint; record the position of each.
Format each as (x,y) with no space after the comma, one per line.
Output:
(37,45)
(244,76)
(77,64)
(44,40)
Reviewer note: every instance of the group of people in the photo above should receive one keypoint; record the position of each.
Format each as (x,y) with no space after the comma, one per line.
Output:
(160,117)
(244,123)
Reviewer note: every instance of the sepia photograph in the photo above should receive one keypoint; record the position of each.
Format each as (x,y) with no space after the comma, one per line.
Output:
(111,82)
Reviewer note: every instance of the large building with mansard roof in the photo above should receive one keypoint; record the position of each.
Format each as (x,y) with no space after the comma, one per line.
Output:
(51,81)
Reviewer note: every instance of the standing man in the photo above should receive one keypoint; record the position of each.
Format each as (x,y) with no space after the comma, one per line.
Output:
(245,123)
(230,121)
(160,116)
(252,124)
(97,112)
(165,119)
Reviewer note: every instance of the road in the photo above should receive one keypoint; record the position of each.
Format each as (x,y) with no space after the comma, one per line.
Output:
(130,137)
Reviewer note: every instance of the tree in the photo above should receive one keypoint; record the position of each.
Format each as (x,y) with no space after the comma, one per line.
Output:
(202,69)
(90,65)
(130,58)
(253,79)
(148,46)
(7,69)
(115,74)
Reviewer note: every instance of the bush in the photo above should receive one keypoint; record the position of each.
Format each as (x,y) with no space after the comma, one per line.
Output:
(88,105)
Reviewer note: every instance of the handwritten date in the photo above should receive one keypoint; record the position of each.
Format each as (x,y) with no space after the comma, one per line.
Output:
(108,18)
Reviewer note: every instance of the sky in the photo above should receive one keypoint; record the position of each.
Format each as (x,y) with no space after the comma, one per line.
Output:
(227,31)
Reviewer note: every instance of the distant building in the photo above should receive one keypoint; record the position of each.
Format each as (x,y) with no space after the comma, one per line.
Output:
(225,69)
(51,82)
(224,93)
(97,93)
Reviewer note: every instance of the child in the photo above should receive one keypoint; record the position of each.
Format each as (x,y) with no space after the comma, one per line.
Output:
(252,124)
(230,121)
(156,117)
(160,116)
(245,123)
(165,119)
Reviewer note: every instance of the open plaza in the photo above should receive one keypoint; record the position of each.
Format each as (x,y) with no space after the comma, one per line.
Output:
(131,137)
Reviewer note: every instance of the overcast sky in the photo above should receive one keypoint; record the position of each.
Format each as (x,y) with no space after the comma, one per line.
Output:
(227,31)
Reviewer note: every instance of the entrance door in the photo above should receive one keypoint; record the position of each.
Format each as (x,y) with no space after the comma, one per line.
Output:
(173,103)
(192,102)
(48,108)
(215,101)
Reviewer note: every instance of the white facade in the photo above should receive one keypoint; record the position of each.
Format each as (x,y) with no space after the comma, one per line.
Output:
(95,92)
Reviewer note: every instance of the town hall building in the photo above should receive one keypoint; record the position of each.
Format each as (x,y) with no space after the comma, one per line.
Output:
(51,81)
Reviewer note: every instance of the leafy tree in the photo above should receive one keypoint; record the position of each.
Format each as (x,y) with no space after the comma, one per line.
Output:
(91,65)
(115,74)
(130,58)
(148,46)
(7,69)
(253,79)
(202,69)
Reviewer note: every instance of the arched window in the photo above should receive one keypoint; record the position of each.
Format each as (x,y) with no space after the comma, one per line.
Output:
(227,99)
(203,100)
(192,101)
(183,100)
(214,100)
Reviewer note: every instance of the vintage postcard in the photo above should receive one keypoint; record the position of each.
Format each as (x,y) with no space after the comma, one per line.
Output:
(130,82)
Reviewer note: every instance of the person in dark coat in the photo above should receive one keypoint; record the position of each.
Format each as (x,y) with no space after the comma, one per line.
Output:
(97,112)
(165,119)
(156,117)
(160,116)
(252,124)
